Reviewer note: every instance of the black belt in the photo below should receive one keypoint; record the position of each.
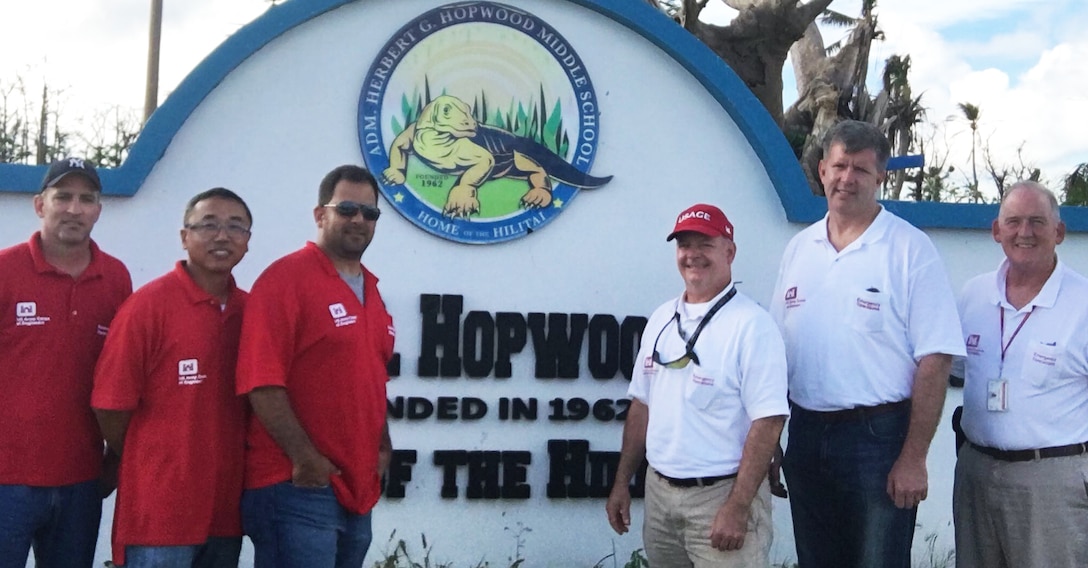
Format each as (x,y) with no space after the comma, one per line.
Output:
(694,481)
(1029,455)
(851,414)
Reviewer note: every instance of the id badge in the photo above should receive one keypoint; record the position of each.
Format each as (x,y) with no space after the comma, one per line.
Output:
(997,396)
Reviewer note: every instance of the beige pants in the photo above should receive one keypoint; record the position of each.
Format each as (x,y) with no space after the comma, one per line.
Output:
(676,528)
(1031,514)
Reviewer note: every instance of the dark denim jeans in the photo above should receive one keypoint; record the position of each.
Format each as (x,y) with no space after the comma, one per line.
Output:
(217,552)
(59,523)
(295,527)
(837,474)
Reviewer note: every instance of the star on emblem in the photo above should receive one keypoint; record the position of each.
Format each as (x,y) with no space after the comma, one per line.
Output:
(398,197)
(558,203)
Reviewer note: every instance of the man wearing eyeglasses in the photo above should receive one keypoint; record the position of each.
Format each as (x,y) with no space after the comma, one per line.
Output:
(164,397)
(870,325)
(315,344)
(708,403)
(58,294)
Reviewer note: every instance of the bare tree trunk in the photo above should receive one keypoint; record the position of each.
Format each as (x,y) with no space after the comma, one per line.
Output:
(43,128)
(756,42)
(151,95)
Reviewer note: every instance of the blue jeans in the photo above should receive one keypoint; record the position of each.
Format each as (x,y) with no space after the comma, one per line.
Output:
(297,527)
(217,552)
(59,523)
(837,474)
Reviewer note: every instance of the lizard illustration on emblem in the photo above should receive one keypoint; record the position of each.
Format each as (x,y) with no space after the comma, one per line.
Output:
(449,140)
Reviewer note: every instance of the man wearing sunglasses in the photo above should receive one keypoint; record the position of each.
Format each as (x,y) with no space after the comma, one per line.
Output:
(314,349)
(164,396)
(870,325)
(708,402)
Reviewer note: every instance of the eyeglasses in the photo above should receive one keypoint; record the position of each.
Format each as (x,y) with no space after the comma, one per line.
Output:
(689,343)
(349,209)
(210,229)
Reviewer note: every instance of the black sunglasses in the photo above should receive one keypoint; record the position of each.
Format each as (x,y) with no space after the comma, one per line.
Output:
(349,209)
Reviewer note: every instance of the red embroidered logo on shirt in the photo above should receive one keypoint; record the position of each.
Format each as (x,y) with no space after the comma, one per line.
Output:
(792,301)
(874,306)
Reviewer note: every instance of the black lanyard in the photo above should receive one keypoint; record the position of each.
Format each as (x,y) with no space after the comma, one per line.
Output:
(706,319)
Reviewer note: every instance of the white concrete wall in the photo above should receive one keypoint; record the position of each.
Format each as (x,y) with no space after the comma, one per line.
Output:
(288,114)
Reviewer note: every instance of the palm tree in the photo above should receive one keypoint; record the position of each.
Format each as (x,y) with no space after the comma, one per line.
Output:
(1075,186)
(971,113)
(897,112)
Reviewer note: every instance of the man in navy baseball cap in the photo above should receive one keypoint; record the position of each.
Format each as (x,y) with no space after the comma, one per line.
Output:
(64,167)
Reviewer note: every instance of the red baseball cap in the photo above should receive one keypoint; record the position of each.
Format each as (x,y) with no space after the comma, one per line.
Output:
(705,219)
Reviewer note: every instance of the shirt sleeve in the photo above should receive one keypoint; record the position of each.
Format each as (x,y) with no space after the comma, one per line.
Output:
(762,362)
(127,357)
(269,328)
(933,317)
(644,369)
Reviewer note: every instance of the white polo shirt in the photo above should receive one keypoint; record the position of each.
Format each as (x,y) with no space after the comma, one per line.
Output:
(1045,368)
(700,415)
(856,322)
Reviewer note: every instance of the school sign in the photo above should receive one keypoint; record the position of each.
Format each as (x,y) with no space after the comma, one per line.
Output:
(536,156)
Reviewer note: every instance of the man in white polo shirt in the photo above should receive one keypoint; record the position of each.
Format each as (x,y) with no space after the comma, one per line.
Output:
(1020,492)
(870,326)
(708,403)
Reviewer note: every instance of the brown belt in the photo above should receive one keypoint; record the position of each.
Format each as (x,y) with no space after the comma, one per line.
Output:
(1029,455)
(851,414)
(694,481)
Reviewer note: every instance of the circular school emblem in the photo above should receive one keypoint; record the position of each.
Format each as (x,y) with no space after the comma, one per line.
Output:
(480,122)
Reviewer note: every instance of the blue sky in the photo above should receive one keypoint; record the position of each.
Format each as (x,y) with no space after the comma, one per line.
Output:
(1023,62)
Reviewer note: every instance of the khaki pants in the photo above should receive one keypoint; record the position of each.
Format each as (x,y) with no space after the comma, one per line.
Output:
(1031,514)
(676,528)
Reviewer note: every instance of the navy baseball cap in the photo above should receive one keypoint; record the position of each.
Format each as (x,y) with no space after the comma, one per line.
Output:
(70,165)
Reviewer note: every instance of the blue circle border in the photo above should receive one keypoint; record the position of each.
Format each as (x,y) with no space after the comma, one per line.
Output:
(413,210)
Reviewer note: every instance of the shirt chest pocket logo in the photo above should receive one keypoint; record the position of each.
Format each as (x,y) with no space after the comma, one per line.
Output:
(1041,363)
(868,310)
(340,315)
(701,390)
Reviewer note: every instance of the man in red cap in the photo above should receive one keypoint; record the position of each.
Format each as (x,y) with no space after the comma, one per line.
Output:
(707,407)
(58,295)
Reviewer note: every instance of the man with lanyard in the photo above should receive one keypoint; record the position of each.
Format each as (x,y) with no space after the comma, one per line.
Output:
(708,403)
(58,294)
(315,344)
(164,396)
(870,325)
(1019,496)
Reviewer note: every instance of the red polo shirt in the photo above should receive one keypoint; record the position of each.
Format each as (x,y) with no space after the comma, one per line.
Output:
(170,359)
(52,327)
(307,332)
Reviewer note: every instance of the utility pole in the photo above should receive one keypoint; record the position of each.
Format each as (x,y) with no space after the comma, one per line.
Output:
(151,96)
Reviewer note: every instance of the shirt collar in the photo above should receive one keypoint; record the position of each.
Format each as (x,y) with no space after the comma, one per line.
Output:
(689,311)
(327,266)
(198,295)
(873,233)
(1047,296)
(42,266)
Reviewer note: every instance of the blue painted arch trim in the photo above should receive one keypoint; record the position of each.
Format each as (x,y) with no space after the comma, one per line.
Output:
(719,80)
